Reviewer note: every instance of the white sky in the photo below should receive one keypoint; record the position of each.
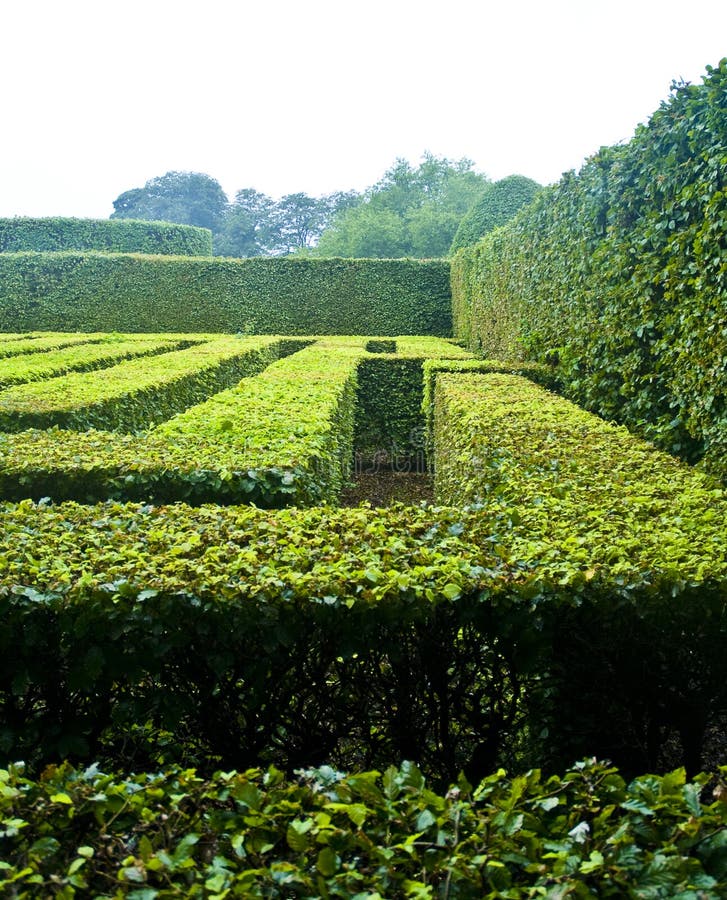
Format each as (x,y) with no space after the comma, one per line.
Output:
(98,96)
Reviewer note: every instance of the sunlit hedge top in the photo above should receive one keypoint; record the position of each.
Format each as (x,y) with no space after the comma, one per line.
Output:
(112,236)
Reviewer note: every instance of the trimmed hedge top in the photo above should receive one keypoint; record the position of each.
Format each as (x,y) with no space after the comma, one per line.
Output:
(565,477)
(110,235)
(279,438)
(281,636)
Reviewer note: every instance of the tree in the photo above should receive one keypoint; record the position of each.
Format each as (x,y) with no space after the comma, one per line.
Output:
(257,225)
(188,198)
(302,219)
(365,232)
(497,205)
(249,227)
(409,212)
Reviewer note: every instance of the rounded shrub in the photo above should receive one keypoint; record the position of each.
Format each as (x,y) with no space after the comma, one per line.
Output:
(496,206)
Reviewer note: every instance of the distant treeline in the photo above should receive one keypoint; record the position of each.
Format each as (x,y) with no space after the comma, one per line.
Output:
(410,212)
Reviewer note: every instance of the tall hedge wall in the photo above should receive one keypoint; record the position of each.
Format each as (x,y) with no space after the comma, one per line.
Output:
(57,234)
(134,293)
(618,277)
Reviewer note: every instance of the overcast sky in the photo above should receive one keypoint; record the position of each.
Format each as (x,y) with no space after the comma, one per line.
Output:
(98,96)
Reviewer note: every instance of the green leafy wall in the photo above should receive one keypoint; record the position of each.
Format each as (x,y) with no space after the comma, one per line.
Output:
(134,293)
(56,234)
(618,277)
(124,292)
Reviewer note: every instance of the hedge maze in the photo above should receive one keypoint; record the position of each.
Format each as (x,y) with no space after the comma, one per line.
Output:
(538,613)
(180,424)
(547,520)
(181,592)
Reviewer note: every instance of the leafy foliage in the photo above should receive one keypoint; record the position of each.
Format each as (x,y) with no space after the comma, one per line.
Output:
(256,225)
(252,225)
(37,342)
(410,212)
(132,394)
(390,426)
(527,628)
(563,474)
(247,228)
(497,205)
(190,198)
(283,437)
(432,368)
(57,234)
(369,835)
(88,292)
(20,369)
(618,274)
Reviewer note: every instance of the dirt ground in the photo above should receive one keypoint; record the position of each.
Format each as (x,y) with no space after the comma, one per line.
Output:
(386,487)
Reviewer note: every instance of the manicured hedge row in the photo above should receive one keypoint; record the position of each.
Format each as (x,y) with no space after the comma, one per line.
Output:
(537,372)
(18,337)
(135,393)
(366,835)
(501,433)
(18,345)
(497,205)
(74,291)
(560,473)
(546,625)
(618,274)
(77,358)
(107,235)
(282,438)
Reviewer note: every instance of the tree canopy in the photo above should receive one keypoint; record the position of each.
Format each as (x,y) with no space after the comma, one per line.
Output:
(252,225)
(188,198)
(256,225)
(411,211)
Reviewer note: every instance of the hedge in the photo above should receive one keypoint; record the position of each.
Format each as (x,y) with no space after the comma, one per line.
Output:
(284,437)
(97,292)
(497,205)
(589,833)
(545,621)
(390,426)
(134,393)
(18,345)
(78,358)
(542,626)
(560,473)
(618,275)
(20,235)
(431,369)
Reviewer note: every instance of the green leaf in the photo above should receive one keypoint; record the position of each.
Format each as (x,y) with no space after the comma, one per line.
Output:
(327,862)
(425,820)
(297,834)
